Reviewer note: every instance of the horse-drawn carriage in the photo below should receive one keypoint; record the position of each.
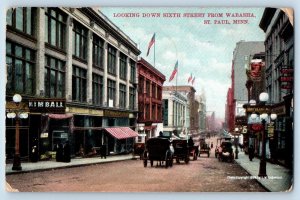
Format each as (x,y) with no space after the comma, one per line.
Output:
(204,148)
(181,150)
(158,149)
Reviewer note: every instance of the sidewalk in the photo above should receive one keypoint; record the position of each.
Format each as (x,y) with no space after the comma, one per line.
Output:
(48,165)
(280,179)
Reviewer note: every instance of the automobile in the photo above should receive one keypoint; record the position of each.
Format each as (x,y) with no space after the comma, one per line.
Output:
(219,142)
(225,152)
(204,148)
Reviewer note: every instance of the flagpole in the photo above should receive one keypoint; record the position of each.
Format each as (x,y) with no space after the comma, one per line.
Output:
(154,49)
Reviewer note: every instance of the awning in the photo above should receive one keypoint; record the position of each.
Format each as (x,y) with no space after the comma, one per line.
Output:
(148,128)
(122,132)
(60,116)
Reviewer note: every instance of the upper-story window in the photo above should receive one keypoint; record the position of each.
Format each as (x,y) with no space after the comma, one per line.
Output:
(111,92)
(21,19)
(97,89)
(98,52)
(123,66)
(148,88)
(131,98)
(122,96)
(55,28)
(54,77)
(132,71)
(20,62)
(111,60)
(79,84)
(153,94)
(80,41)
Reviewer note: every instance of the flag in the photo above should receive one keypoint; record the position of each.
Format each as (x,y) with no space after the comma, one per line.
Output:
(174,72)
(190,77)
(151,43)
(193,80)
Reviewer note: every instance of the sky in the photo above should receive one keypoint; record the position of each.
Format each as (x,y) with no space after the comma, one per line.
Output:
(205,50)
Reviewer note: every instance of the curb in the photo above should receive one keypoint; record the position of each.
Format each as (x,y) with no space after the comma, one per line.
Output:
(65,167)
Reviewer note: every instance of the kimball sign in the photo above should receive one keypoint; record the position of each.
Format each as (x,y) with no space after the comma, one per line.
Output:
(47,105)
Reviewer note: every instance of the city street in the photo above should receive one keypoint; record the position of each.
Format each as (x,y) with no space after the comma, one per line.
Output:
(202,175)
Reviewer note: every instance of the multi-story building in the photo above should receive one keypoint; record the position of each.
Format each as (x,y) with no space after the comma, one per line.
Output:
(279,52)
(76,72)
(175,113)
(189,93)
(149,100)
(202,112)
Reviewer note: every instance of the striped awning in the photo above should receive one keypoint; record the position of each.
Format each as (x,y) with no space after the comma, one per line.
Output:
(121,132)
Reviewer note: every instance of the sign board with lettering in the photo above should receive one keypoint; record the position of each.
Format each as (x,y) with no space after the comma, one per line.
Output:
(47,105)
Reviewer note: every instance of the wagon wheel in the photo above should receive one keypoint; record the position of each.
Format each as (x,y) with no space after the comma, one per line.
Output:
(187,159)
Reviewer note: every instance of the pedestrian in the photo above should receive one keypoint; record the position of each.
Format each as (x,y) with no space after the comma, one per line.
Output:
(59,152)
(251,152)
(34,151)
(211,145)
(103,151)
(66,152)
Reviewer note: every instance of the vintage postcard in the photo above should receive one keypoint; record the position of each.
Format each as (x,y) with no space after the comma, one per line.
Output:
(149,99)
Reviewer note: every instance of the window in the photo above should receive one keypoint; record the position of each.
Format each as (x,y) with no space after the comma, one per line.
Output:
(111,91)
(20,69)
(131,98)
(147,112)
(153,90)
(148,88)
(80,41)
(79,84)
(132,71)
(153,112)
(111,60)
(98,51)
(21,19)
(97,89)
(159,93)
(141,85)
(54,77)
(165,112)
(55,28)
(123,66)
(122,98)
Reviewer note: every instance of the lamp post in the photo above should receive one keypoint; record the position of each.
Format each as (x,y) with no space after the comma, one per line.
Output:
(17,114)
(236,138)
(263,97)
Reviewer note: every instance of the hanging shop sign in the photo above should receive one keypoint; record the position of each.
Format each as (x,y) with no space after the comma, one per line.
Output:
(286,78)
(47,105)
(257,127)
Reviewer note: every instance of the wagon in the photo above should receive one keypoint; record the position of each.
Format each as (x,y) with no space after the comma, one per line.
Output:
(181,150)
(204,148)
(158,149)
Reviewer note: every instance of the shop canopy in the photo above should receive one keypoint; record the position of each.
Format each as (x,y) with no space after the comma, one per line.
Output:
(122,132)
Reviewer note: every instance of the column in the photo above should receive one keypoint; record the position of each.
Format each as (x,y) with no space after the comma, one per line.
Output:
(105,102)
(40,79)
(117,79)
(127,82)
(69,67)
(89,92)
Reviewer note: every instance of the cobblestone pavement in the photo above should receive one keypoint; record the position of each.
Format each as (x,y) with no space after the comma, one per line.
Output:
(202,175)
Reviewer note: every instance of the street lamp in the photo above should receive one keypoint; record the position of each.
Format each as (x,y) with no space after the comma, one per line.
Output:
(263,97)
(17,115)
(236,138)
